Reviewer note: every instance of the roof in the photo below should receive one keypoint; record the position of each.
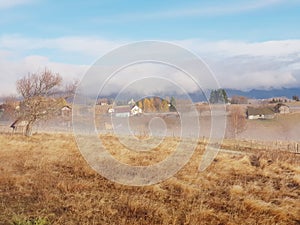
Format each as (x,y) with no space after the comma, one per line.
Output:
(18,122)
(122,109)
(260,111)
(279,105)
(66,107)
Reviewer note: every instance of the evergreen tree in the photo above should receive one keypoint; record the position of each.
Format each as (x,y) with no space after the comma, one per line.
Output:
(172,105)
(218,96)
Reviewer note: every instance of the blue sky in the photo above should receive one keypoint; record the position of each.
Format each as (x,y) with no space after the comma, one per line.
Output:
(208,20)
(240,40)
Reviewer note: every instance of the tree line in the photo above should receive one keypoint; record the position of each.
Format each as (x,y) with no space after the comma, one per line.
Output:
(156,104)
(218,96)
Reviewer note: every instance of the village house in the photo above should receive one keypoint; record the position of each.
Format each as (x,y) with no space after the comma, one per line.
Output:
(282,108)
(122,111)
(135,110)
(260,113)
(125,111)
(19,125)
(102,101)
(66,111)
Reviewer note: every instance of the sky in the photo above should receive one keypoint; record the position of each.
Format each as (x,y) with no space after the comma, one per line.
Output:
(251,44)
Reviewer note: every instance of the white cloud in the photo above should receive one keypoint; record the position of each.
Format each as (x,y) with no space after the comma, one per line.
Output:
(259,80)
(244,65)
(10,71)
(83,45)
(239,48)
(5,4)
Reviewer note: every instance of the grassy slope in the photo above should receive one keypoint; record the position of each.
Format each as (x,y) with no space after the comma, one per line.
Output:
(45,176)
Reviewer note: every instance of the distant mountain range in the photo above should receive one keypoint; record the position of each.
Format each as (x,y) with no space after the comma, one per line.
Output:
(263,94)
(198,96)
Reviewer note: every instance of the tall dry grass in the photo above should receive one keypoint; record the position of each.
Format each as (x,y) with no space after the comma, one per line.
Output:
(45,176)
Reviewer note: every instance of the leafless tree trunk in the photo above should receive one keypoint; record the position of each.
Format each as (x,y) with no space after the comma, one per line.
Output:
(237,121)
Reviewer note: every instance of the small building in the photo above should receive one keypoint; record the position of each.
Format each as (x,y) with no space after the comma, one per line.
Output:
(122,111)
(260,113)
(282,108)
(131,102)
(66,111)
(135,110)
(19,125)
(102,101)
(111,110)
(125,111)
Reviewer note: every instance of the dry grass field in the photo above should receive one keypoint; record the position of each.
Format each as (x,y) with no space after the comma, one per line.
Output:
(44,179)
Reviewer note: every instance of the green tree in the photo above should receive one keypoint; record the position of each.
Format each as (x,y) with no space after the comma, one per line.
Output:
(213,97)
(296,98)
(173,104)
(218,96)
(224,96)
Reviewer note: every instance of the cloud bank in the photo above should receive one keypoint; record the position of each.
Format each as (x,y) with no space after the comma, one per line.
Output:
(236,64)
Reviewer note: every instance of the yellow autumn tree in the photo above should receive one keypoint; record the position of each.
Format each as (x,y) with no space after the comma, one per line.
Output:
(164,107)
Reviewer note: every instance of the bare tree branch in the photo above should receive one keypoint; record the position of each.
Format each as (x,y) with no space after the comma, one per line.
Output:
(40,101)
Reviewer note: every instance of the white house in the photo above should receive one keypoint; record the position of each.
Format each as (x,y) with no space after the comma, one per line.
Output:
(66,111)
(122,111)
(135,110)
(282,108)
(125,111)
(260,113)
(111,110)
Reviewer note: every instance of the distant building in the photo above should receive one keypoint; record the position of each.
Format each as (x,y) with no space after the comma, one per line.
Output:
(66,111)
(135,110)
(122,111)
(19,125)
(111,110)
(103,101)
(260,113)
(131,102)
(125,111)
(282,108)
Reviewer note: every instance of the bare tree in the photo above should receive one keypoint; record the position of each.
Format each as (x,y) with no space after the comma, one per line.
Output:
(42,97)
(237,121)
(236,99)
(70,89)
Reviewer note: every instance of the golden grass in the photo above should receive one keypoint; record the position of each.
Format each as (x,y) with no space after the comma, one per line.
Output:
(45,176)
